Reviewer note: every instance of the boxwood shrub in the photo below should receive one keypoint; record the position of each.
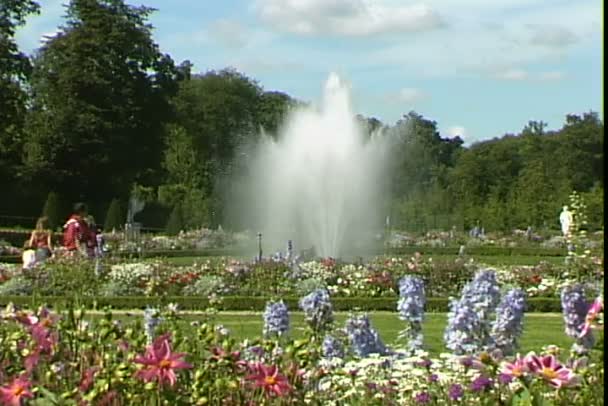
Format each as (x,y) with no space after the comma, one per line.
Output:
(248,303)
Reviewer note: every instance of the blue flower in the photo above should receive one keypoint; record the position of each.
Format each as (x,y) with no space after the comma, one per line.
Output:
(574,309)
(363,338)
(332,347)
(411,309)
(276,319)
(508,326)
(318,310)
(151,320)
(468,328)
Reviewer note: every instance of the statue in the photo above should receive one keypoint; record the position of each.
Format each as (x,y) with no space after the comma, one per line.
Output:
(566,218)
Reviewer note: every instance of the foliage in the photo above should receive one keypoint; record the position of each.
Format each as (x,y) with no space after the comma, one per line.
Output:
(52,210)
(15,69)
(102,88)
(72,356)
(114,219)
(175,224)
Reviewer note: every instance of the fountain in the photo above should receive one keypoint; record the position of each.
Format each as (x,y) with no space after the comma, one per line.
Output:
(321,183)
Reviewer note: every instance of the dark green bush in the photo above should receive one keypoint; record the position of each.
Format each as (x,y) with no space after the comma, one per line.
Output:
(52,210)
(250,303)
(115,218)
(176,222)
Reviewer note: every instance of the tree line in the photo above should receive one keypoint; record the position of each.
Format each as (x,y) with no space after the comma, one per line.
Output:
(98,112)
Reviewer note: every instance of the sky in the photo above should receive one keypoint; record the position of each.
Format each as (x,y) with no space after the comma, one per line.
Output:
(479,68)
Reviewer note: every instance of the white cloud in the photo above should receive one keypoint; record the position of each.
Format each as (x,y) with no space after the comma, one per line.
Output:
(551,76)
(409,95)
(456,131)
(512,74)
(552,36)
(346,17)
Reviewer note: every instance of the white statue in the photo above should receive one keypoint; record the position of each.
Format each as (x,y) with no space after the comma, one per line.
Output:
(565,218)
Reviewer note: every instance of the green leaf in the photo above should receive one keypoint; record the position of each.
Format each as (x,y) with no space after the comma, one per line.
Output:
(521,398)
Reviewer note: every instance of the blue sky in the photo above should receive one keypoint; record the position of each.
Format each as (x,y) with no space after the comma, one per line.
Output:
(480,68)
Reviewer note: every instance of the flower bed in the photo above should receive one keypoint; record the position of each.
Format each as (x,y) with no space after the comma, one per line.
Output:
(68,359)
(227,277)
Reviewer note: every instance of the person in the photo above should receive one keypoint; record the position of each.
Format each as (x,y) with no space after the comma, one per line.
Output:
(91,239)
(41,240)
(566,218)
(76,231)
(29,256)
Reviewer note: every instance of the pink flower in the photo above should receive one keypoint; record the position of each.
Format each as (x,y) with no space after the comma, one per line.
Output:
(516,369)
(86,381)
(159,363)
(269,378)
(549,368)
(596,308)
(13,394)
(44,338)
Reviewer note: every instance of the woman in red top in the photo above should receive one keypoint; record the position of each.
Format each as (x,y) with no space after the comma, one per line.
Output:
(41,240)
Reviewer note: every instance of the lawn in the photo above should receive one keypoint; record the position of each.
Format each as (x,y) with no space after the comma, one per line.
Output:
(540,329)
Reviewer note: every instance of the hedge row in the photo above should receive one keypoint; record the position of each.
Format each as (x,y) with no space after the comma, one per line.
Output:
(247,303)
(226,252)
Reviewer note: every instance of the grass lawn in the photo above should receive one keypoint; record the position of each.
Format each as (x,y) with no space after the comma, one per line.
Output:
(540,329)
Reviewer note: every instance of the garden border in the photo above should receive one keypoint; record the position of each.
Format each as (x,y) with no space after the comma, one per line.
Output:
(248,303)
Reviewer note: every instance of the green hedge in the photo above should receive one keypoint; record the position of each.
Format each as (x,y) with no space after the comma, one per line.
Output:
(484,250)
(248,303)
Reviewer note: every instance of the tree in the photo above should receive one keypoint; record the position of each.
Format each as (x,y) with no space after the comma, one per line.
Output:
(219,112)
(115,217)
(180,158)
(273,108)
(52,211)
(15,69)
(102,88)
(175,224)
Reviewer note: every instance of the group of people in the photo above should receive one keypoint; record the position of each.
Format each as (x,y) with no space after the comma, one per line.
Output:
(81,237)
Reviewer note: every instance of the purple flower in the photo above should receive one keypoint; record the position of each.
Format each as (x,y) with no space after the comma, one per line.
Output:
(468,328)
(574,309)
(363,337)
(276,319)
(411,309)
(433,378)
(332,347)
(455,392)
(480,383)
(317,308)
(425,363)
(505,379)
(422,398)
(508,326)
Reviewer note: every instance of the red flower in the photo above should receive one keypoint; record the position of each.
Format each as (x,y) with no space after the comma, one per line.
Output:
(13,394)
(159,363)
(268,377)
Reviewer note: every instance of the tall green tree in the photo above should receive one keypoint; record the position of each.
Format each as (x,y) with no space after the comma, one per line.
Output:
(15,69)
(102,90)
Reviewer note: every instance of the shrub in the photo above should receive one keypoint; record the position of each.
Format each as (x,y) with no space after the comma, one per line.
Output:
(52,211)
(205,286)
(175,223)
(16,286)
(114,216)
